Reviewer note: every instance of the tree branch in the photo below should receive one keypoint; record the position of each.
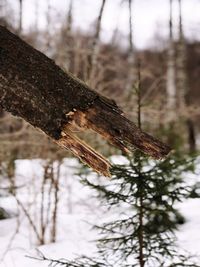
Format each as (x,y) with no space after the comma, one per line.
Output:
(33,87)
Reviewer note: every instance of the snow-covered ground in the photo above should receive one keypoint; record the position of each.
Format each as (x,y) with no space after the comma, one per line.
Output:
(76,208)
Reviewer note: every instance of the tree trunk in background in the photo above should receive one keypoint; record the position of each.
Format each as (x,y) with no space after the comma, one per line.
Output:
(66,43)
(191,135)
(182,83)
(20,16)
(131,56)
(68,38)
(2,10)
(69,17)
(34,88)
(171,79)
(95,42)
(181,66)
(4,18)
(56,182)
(48,21)
(36,15)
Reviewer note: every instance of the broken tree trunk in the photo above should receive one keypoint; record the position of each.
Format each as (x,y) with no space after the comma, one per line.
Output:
(33,87)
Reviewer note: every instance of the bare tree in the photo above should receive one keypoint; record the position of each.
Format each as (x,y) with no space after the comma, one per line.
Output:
(182,82)
(68,40)
(65,44)
(36,15)
(55,181)
(95,42)
(181,64)
(131,53)
(20,16)
(48,28)
(70,17)
(171,78)
(2,10)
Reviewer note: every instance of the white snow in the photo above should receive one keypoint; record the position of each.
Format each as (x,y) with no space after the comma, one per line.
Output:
(77,207)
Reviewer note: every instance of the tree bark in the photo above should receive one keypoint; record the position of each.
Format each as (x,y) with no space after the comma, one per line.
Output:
(33,87)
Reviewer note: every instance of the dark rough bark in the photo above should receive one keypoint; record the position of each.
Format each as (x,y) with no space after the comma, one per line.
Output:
(33,87)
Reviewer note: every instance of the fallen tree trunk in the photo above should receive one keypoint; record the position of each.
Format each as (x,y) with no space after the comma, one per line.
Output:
(33,87)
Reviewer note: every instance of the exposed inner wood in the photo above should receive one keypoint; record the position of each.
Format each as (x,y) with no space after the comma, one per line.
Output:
(125,136)
(84,152)
(116,129)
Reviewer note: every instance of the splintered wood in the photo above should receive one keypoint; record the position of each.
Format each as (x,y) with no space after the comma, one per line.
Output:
(34,88)
(103,118)
(85,153)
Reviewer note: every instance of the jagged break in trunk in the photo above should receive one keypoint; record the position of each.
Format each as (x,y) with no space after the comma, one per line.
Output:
(33,87)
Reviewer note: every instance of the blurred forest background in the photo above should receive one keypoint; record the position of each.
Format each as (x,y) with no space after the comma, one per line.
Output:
(169,67)
(166,70)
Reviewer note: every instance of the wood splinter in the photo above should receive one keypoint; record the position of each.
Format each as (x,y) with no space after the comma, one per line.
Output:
(85,153)
(33,87)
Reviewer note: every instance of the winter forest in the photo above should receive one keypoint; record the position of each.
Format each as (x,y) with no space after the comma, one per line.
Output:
(99,133)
